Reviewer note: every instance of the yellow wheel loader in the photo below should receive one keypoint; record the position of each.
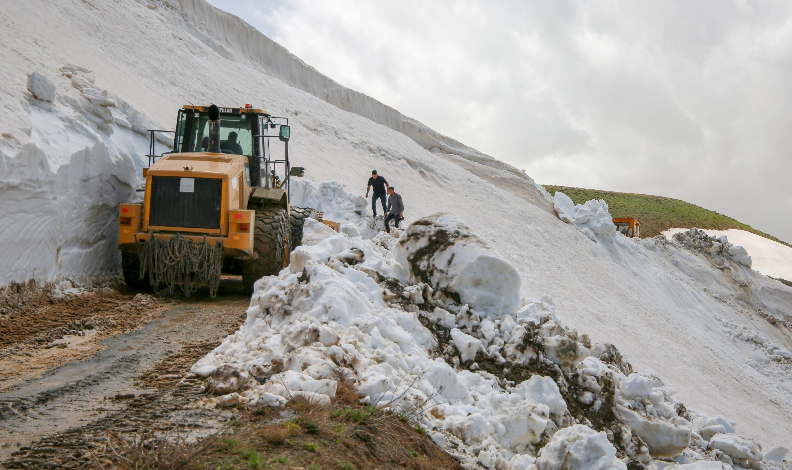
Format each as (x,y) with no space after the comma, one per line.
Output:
(215,203)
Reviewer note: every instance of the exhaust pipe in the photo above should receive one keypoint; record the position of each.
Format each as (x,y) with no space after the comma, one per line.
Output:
(214,130)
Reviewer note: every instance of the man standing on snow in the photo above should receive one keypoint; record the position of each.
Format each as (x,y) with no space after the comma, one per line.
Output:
(395,208)
(379,183)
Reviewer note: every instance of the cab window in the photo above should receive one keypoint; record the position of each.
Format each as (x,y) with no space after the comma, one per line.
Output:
(236,132)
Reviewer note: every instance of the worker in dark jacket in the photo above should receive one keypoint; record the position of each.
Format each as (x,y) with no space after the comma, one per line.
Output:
(395,208)
(379,184)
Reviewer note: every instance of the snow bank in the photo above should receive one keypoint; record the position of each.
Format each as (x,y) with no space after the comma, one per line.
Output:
(443,252)
(61,190)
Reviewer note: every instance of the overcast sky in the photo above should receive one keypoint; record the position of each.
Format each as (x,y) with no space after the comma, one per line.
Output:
(686,99)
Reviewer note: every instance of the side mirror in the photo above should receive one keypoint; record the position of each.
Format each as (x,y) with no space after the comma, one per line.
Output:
(284,133)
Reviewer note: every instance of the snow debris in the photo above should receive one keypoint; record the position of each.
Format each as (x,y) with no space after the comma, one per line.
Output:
(41,87)
(771,349)
(592,218)
(718,249)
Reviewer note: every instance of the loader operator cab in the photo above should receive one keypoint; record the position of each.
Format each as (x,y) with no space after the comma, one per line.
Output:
(243,131)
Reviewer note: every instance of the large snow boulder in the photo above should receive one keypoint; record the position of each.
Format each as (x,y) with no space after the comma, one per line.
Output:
(577,447)
(442,251)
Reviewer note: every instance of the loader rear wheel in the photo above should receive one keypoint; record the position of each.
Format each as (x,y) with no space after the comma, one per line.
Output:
(297,219)
(130,265)
(271,245)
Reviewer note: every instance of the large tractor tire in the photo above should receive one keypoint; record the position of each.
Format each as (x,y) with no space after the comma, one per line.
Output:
(297,219)
(130,266)
(271,245)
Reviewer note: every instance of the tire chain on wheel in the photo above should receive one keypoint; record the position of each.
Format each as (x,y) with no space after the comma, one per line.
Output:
(270,243)
(297,219)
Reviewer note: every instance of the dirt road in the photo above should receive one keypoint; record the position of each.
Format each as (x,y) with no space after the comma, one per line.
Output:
(74,367)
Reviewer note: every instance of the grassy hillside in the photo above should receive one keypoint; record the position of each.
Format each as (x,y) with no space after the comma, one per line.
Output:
(657,213)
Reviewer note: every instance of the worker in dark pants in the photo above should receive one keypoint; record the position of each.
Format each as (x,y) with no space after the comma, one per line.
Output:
(395,208)
(379,184)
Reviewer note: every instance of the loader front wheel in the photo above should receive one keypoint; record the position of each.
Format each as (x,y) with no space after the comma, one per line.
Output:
(271,245)
(297,219)
(130,266)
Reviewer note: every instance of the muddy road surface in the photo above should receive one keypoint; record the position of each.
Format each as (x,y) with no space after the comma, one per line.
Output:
(77,366)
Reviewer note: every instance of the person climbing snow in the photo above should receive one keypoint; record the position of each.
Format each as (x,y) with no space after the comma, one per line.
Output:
(379,184)
(395,208)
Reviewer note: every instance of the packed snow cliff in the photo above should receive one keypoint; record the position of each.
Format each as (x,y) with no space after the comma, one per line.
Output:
(431,325)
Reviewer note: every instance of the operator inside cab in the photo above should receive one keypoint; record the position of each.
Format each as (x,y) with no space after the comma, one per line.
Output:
(231,145)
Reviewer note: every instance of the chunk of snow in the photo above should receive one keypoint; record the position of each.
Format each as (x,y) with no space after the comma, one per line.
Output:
(740,255)
(445,318)
(577,447)
(521,461)
(40,86)
(467,345)
(778,457)
(737,447)
(635,386)
(592,218)
(700,465)
(663,438)
(539,389)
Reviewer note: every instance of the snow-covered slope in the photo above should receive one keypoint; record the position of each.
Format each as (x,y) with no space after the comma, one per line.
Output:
(769,258)
(65,164)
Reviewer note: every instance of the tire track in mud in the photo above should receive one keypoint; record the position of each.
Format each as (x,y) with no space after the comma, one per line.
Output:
(139,380)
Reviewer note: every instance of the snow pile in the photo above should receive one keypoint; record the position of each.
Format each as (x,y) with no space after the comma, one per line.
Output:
(509,388)
(592,218)
(719,249)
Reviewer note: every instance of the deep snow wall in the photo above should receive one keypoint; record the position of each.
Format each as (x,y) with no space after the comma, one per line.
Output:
(664,307)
